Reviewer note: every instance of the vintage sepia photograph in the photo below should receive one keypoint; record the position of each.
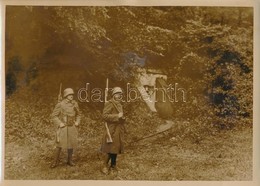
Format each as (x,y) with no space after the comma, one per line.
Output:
(149,93)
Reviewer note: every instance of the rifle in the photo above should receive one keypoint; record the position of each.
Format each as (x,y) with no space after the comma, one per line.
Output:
(59,100)
(60,96)
(109,138)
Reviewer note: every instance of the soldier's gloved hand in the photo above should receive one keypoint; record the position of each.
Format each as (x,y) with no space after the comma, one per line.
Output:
(120,114)
(76,124)
(62,125)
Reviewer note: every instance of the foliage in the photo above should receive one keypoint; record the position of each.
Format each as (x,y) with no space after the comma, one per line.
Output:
(206,50)
(13,69)
(217,65)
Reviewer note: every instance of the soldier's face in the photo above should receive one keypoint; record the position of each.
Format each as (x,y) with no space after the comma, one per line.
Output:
(70,97)
(118,96)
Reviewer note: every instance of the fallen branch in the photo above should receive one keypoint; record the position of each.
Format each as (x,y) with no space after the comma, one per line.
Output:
(150,135)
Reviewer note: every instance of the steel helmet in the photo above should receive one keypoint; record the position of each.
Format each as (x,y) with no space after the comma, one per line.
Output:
(116,90)
(67,91)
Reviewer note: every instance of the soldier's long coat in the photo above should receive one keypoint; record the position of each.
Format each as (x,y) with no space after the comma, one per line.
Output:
(110,115)
(66,112)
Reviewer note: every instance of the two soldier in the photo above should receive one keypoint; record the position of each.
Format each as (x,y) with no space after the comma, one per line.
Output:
(66,117)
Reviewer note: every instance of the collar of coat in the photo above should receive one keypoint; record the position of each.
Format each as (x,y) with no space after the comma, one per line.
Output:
(68,101)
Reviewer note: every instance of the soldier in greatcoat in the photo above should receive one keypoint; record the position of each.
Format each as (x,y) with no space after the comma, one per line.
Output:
(66,117)
(113,115)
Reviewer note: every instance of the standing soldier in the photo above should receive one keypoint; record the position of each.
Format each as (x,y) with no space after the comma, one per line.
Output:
(112,142)
(66,117)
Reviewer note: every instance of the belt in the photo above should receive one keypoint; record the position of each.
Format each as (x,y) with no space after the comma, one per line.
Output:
(70,121)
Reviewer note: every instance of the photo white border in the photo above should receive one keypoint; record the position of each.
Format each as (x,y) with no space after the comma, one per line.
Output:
(256,114)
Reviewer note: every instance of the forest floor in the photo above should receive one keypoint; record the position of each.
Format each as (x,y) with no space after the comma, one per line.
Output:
(226,155)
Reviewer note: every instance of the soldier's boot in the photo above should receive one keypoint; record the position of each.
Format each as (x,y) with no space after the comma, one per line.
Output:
(57,157)
(70,152)
(113,167)
(105,169)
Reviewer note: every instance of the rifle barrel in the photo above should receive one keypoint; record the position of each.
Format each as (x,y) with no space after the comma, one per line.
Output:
(106,90)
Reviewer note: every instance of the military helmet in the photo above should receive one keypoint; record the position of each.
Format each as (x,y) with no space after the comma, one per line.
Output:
(117,90)
(67,91)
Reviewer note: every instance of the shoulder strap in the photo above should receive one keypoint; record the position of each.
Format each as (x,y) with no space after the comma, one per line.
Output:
(115,106)
(75,107)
